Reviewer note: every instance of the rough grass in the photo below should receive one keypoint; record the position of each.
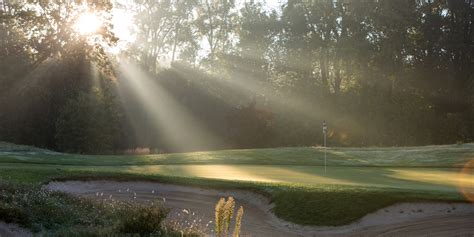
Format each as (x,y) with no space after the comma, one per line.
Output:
(57,214)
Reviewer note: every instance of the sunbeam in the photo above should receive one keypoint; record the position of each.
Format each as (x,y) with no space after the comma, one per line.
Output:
(180,130)
(242,88)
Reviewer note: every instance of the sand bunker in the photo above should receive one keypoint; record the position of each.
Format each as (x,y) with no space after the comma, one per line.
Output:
(196,205)
(12,230)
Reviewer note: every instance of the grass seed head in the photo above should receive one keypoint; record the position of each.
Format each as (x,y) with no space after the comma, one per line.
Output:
(219,212)
(238,222)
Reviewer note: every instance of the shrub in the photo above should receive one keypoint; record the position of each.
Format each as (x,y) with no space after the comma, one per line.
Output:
(145,220)
(39,209)
(57,214)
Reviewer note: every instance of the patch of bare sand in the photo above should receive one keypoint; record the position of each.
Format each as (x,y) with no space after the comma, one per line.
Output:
(13,230)
(196,206)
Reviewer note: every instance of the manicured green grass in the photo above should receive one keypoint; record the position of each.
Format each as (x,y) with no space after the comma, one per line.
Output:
(357,182)
(434,179)
(427,156)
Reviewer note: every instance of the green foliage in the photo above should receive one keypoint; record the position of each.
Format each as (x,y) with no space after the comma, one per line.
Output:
(251,126)
(87,124)
(84,231)
(58,214)
(39,209)
(145,220)
(381,73)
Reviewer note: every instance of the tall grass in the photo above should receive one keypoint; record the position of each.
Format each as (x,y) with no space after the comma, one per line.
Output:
(48,213)
(224,213)
(228,213)
(238,222)
(219,216)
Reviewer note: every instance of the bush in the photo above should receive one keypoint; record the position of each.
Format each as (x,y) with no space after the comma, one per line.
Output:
(143,220)
(39,209)
(13,214)
(58,214)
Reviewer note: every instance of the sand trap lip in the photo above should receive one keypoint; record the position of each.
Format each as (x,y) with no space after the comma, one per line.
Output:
(401,219)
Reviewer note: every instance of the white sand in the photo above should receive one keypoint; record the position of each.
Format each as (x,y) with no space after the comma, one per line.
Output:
(189,204)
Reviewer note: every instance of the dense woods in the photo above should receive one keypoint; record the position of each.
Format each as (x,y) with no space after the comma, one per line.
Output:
(208,74)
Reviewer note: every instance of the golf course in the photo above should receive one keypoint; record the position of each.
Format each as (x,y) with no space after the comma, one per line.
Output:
(357,181)
(242,118)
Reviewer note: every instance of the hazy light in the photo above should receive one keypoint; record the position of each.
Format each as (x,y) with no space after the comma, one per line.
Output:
(178,127)
(466,180)
(439,177)
(88,23)
(122,25)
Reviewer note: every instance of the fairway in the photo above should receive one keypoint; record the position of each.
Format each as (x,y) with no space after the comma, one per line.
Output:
(431,168)
(447,179)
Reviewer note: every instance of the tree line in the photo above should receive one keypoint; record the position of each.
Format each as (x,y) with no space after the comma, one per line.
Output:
(380,72)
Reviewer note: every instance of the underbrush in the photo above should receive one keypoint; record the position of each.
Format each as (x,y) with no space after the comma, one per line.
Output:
(57,214)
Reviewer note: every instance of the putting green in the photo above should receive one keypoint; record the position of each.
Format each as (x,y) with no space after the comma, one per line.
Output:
(445,156)
(446,179)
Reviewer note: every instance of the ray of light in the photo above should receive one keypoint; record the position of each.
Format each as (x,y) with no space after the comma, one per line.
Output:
(178,127)
(243,85)
(433,176)
(35,77)
(466,180)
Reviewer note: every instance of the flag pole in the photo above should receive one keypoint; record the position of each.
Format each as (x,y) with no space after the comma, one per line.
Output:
(325,128)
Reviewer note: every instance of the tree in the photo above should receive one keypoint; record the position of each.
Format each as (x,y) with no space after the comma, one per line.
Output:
(88,124)
(216,24)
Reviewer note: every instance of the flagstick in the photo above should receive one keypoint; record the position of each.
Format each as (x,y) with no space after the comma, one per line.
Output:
(325,131)
(324,153)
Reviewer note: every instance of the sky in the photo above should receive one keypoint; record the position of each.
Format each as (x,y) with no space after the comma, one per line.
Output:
(123,21)
(271,4)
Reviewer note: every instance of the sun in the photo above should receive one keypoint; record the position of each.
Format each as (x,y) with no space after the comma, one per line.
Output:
(119,21)
(87,24)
